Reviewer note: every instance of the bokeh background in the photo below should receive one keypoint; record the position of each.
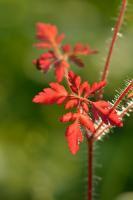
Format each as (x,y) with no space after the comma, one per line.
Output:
(35,163)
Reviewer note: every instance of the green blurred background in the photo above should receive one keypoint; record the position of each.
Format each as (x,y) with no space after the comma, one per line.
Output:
(35,163)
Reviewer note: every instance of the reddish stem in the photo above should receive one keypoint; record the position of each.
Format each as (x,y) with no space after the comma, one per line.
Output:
(90,169)
(114,38)
(122,96)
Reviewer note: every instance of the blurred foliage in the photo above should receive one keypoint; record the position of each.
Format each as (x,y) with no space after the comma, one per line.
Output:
(35,163)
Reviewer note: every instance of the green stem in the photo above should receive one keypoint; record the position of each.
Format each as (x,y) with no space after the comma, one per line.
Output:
(90,169)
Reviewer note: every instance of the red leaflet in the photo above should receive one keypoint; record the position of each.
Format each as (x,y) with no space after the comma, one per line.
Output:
(74,81)
(42,65)
(96,87)
(114,119)
(80,49)
(84,107)
(55,94)
(69,117)
(77,61)
(60,38)
(102,109)
(48,55)
(71,103)
(84,88)
(83,119)
(66,48)
(74,137)
(86,122)
(46,32)
(73,131)
(60,69)
(45,61)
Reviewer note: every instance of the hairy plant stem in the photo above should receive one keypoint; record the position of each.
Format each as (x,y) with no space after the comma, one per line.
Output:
(123,113)
(100,95)
(127,89)
(90,169)
(127,109)
(112,45)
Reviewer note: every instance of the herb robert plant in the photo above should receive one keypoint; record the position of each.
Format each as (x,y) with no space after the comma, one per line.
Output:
(90,116)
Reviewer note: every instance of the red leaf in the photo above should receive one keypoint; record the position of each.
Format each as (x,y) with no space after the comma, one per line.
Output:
(102,109)
(55,94)
(71,76)
(74,136)
(48,96)
(60,38)
(48,55)
(60,69)
(71,104)
(66,48)
(69,117)
(85,107)
(43,65)
(102,105)
(59,88)
(114,119)
(46,32)
(45,61)
(84,88)
(81,49)
(61,100)
(74,81)
(77,81)
(97,86)
(77,61)
(86,121)
(76,86)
